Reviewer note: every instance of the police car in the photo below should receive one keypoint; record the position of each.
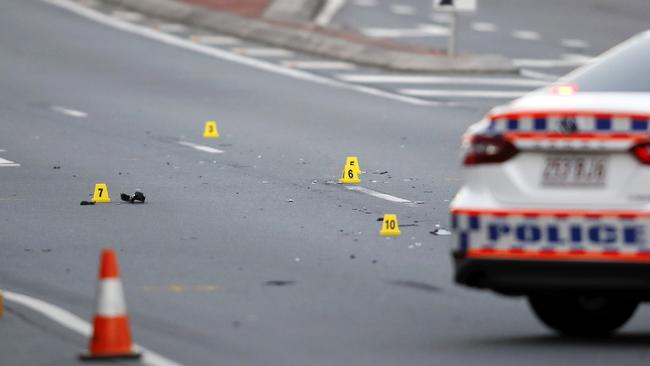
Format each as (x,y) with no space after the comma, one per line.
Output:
(555,205)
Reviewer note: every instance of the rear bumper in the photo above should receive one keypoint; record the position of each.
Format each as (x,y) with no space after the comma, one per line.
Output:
(521,277)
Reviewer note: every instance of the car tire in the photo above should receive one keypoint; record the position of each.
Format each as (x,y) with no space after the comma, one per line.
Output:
(582,315)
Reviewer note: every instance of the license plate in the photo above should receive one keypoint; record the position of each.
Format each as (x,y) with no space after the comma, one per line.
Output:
(579,170)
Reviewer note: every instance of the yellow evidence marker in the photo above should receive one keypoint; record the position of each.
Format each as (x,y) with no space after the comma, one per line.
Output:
(101,194)
(351,171)
(353,161)
(210,131)
(390,227)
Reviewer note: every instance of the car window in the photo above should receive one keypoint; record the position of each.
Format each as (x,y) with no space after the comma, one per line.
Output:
(625,69)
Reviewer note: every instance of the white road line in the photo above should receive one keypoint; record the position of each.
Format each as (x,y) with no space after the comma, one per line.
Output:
(424,30)
(215,40)
(263,52)
(376,194)
(578,57)
(441,18)
(574,43)
(328,12)
(401,9)
(129,16)
(318,65)
(549,63)
(203,148)
(171,27)
(434,29)
(526,35)
(365,3)
(70,112)
(538,75)
(484,27)
(425,79)
(5,162)
(504,94)
(232,57)
(78,325)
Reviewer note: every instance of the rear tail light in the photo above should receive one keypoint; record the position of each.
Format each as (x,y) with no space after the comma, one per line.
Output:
(488,149)
(642,153)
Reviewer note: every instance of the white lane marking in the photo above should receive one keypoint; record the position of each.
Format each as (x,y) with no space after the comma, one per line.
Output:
(263,52)
(328,11)
(365,3)
(484,27)
(203,148)
(171,27)
(425,79)
(424,30)
(318,65)
(233,57)
(376,194)
(441,18)
(526,35)
(434,29)
(574,43)
(129,16)
(505,94)
(78,325)
(402,9)
(5,162)
(578,57)
(215,40)
(549,63)
(70,112)
(538,75)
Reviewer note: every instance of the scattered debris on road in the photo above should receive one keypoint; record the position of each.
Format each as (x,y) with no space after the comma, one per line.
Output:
(86,203)
(440,232)
(135,198)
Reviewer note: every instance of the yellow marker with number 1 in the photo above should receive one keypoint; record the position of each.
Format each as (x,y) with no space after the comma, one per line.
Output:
(101,194)
(210,131)
(390,227)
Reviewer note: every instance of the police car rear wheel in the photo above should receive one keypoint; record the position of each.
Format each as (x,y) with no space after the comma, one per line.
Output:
(581,315)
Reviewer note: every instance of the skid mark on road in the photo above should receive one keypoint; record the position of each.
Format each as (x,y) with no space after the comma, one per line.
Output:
(78,325)
(203,148)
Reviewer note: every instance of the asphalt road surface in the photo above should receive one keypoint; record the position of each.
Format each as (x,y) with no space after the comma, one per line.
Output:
(251,256)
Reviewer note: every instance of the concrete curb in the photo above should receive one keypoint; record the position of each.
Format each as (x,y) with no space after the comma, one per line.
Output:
(351,48)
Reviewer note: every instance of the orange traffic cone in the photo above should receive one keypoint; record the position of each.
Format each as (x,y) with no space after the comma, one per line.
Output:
(111,335)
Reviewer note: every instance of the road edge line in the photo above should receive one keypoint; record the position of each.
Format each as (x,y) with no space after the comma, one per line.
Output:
(77,324)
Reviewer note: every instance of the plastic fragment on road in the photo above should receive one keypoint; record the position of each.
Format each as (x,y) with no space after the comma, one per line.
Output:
(100,195)
(440,232)
(210,131)
(87,203)
(351,171)
(111,338)
(389,226)
(135,198)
